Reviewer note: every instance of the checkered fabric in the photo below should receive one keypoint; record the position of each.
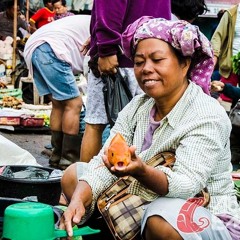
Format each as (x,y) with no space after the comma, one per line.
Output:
(126,216)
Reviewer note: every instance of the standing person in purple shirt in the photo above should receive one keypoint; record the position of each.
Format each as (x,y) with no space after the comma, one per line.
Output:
(108,22)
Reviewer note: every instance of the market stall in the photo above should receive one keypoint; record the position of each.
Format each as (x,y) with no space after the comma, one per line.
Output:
(14,112)
(15,115)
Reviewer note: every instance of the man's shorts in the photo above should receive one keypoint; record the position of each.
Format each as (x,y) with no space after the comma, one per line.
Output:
(95,108)
(52,75)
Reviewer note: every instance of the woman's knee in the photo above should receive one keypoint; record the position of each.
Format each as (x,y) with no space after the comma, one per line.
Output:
(74,104)
(153,230)
(69,179)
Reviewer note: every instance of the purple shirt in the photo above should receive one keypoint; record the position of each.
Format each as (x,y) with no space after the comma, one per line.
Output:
(62,15)
(110,19)
(153,125)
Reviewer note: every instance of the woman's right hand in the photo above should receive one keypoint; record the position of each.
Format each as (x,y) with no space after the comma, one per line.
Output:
(72,216)
(135,167)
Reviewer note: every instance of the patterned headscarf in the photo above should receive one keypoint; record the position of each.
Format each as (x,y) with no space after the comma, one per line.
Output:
(181,35)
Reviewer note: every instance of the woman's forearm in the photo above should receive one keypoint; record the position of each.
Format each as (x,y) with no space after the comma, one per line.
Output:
(231,91)
(154,179)
(83,192)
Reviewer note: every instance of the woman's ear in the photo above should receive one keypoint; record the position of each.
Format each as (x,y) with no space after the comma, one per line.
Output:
(186,66)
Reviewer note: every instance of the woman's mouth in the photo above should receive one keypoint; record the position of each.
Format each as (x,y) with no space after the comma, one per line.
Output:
(149,82)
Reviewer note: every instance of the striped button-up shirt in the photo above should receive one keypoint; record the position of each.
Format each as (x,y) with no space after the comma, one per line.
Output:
(197,129)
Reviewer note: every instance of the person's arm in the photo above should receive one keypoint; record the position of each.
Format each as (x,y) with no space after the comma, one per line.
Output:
(195,161)
(227,89)
(231,92)
(109,21)
(219,36)
(85,47)
(81,199)
(23,24)
(217,86)
(32,27)
(108,64)
(198,155)
(35,18)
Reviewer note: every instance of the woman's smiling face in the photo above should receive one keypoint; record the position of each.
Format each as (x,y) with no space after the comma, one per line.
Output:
(158,70)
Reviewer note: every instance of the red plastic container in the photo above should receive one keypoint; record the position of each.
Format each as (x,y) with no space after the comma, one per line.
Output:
(32,122)
(13,121)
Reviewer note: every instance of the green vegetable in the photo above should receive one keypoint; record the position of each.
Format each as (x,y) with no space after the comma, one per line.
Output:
(236,63)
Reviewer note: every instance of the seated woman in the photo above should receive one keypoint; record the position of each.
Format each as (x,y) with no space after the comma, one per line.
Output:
(175,115)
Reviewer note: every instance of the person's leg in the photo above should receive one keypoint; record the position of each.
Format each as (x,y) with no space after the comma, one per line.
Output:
(56,115)
(60,83)
(167,231)
(56,143)
(56,112)
(64,122)
(92,141)
(71,142)
(71,115)
(95,119)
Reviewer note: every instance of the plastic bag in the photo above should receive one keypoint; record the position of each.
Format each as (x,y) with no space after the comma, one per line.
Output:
(12,154)
(234,116)
(116,95)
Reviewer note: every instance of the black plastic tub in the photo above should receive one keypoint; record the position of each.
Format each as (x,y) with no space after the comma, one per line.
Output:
(43,190)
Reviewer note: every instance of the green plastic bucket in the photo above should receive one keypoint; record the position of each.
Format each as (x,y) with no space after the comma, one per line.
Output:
(34,221)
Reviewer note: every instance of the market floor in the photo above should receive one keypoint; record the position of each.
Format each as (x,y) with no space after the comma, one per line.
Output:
(32,141)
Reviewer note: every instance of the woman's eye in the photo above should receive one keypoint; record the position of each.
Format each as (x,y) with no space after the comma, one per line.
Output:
(157,59)
(138,63)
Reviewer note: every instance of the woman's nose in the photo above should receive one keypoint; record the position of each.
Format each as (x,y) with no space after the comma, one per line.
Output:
(147,67)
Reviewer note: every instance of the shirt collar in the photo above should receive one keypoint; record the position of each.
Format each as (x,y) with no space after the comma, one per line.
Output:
(179,109)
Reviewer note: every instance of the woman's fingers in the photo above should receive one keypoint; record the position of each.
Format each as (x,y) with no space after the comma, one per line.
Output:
(71,217)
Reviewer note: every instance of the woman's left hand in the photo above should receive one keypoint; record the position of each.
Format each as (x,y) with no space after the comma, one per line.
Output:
(136,166)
